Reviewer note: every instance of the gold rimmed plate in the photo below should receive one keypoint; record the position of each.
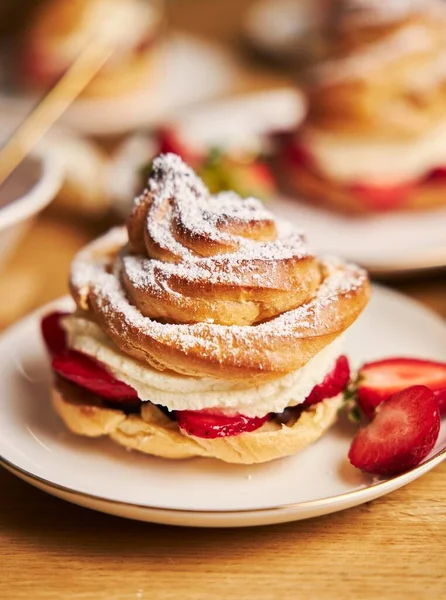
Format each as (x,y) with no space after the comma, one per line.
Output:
(100,475)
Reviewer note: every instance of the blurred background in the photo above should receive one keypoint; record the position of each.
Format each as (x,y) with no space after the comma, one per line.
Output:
(330,111)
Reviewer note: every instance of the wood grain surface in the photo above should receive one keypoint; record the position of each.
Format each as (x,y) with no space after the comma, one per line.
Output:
(393,547)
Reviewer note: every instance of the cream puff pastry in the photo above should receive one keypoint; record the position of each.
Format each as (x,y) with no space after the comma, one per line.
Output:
(374,138)
(205,328)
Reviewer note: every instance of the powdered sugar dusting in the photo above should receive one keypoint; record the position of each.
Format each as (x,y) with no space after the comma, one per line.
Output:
(182,211)
(248,267)
(206,213)
(340,280)
(181,203)
(171,179)
(95,258)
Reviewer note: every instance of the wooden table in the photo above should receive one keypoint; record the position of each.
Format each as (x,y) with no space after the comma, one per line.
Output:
(390,548)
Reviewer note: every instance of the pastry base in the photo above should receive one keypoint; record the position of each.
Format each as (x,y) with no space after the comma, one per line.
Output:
(307,184)
(152,432)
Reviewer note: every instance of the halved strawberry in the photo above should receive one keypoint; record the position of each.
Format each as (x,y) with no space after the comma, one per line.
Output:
(79,368)
(440,395)
(401,435)
(53,334)
(380,379)
(296,154)
(91,375)
(333,384)
(213,424)
(383,197)
(436,174)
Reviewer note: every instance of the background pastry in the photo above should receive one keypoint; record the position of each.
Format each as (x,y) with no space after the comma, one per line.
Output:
(375,135)
(59,30)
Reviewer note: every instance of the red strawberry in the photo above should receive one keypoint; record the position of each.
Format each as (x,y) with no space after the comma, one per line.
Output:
(437,174)
(383,197)
(440,395)
(380,379)
(91,375)
(296,154)
(334,382)
(262,173)
(79,368)
(213,424)
(53,334)
(247,179)
(401,435)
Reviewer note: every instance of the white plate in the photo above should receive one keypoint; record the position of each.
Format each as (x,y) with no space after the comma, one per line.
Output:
(386,243)
(100,475)
(188,70)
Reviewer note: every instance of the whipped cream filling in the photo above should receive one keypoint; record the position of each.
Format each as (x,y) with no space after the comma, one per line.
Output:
(366,161)
(178,392)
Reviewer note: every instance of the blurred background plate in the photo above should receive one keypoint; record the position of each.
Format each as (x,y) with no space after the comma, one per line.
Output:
(386,244)
(186,70)
(389,243)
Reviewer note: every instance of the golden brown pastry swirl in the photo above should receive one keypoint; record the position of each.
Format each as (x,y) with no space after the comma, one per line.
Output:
(211,259)
(213,286)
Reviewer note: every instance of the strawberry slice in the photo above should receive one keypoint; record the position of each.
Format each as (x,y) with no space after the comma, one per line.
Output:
(53,334)
(79,368)
(436,174)
(380,379)
(401,435)
(379,198)
(262,173)
(213,424)
(91,375)
(296,154)
(333,384)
